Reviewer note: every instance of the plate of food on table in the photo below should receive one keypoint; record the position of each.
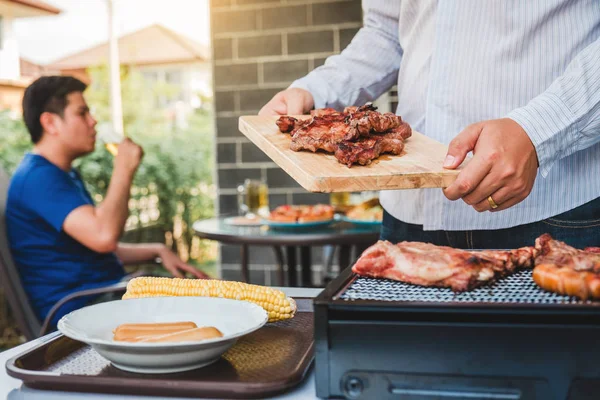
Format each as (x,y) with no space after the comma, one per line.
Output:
(367,213)
(300,216)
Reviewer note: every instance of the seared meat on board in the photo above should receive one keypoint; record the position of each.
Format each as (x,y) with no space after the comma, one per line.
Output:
(356,136)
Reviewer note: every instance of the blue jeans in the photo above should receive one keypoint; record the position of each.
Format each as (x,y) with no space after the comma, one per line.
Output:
(579,228)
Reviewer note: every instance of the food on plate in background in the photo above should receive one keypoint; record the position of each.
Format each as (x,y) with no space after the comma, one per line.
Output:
(136,332)
(563,269)
(277,305)
(302,213)
(357,135)
(194,334)
(369,210)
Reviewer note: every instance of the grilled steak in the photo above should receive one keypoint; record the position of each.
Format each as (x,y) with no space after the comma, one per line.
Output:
(366,149)
(355,136)
(426,264)
(563,269)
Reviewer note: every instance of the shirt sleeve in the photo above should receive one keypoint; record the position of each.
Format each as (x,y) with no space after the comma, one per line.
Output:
(366,68)
(51,195)
(566,117)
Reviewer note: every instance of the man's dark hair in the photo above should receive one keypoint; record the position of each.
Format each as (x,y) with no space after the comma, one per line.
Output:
(47,94)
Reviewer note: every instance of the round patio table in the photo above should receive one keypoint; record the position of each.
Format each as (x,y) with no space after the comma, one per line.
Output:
(342,234)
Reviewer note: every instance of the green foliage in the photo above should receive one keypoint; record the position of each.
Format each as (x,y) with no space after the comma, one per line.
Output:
(173,185)
(14,141)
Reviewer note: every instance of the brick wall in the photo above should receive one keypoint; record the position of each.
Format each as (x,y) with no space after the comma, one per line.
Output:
(259,48)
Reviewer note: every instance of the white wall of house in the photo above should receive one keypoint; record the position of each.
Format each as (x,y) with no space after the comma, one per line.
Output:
(190,78)
(9,50)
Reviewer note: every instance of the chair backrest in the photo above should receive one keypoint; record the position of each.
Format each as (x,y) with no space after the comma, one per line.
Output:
(10,281)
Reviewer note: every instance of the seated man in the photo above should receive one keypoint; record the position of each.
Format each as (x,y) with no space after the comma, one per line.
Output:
(61,242)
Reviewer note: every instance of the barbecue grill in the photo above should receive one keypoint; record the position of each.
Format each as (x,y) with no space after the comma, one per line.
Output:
(381,339)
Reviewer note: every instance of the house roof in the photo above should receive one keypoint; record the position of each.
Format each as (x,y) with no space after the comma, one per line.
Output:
(154,44)
(31,8)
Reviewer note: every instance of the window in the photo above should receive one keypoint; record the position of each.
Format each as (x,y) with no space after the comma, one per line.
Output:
(174,77)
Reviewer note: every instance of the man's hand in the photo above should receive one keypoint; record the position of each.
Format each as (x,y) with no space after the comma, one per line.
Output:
(129,156)
(175,265)
(294,101)
(504,165)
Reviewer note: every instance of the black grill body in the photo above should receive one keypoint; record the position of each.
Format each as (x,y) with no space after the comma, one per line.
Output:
(380,339)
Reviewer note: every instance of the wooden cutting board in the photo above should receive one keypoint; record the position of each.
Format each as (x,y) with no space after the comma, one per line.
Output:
(419,166)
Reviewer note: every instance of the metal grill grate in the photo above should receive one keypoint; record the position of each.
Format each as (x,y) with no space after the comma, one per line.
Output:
(518,288)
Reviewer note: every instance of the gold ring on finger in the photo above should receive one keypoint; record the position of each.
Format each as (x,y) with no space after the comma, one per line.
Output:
(492,202)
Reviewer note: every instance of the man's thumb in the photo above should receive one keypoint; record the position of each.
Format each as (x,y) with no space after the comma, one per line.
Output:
(461,145)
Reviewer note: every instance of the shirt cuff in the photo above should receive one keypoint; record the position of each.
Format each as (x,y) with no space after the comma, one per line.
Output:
(551,126)
(318,91)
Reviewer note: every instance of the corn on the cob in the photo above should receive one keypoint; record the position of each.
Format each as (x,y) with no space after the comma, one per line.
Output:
(275,302)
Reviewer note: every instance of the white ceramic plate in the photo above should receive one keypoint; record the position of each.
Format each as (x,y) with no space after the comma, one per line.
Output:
(94,325)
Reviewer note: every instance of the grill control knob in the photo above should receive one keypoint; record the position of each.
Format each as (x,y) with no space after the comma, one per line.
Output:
(353,387)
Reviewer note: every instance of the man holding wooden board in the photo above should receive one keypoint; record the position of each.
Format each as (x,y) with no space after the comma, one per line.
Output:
(515,83)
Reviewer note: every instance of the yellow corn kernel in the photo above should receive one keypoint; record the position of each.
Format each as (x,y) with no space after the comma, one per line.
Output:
(277,305)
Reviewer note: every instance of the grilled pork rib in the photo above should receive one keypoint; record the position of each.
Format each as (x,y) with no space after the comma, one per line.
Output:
(356,136)
(563,269)
(426,264)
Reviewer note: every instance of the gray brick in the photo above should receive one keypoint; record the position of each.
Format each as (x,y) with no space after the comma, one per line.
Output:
(231,274)
(310,42)
(258,255)
(276,200)
(228,127)
(319,61)
(226,152)
(257,46)
(278,178)
(336,13)
(251,153)
(224,101)
(310,198)
(284,17)
(231,178)
(257,277)
(234,21)
(253,100)
(223,49)
(284,71)
(346,36)
(237,74)
(228,204)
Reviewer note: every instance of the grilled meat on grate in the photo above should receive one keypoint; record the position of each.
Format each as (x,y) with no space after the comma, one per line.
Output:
(356,136)
(426,264)
(563,269)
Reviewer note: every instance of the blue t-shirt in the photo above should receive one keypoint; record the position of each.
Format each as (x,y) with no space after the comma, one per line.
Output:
(51,263)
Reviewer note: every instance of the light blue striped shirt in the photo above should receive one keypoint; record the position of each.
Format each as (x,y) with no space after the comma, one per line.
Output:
(457,62)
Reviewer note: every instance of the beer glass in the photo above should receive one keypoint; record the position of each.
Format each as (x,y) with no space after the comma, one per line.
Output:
(340,201)
(253,198)
(110,138)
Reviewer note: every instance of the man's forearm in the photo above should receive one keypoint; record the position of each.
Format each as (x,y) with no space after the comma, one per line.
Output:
(137,253)
(564,118)
(112,213)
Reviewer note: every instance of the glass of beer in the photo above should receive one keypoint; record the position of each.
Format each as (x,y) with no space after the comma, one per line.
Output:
(253,198)
(110,138)
(340,201)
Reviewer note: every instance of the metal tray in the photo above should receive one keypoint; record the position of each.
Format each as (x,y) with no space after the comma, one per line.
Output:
(264,363)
